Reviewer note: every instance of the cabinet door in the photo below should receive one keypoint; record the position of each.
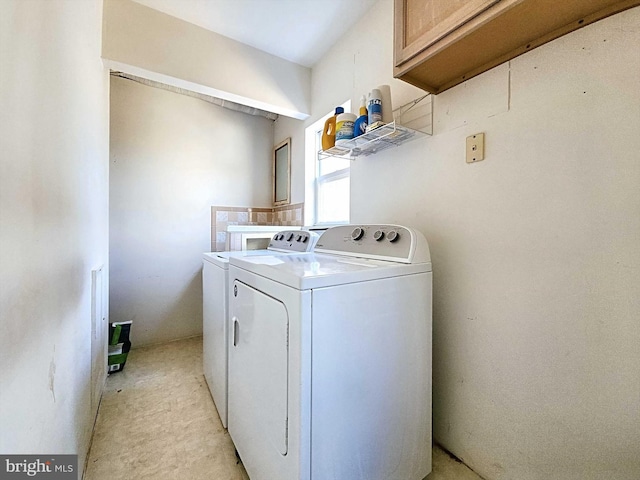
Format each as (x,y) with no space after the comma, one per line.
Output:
(441,43)
(421,23)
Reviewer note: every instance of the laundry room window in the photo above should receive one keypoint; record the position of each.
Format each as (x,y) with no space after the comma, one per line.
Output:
(330,185)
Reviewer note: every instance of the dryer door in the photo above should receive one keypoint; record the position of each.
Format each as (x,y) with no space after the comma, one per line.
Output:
(258,370)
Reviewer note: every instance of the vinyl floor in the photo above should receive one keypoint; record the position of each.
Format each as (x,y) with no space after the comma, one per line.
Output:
(157,421)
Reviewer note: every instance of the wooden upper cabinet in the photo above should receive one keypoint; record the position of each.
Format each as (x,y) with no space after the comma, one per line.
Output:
(441,43)
(424,22)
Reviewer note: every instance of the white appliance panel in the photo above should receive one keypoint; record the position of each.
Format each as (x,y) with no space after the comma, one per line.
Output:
(260,359)
(359,365)
(383,242)
(268,463)
(215,333)
(252,237)
(371,383)
(215,308)
(305,271)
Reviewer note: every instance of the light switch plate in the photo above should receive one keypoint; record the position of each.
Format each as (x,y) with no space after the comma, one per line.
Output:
(475,148)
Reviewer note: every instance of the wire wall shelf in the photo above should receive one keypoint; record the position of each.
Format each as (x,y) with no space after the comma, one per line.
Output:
(411,121)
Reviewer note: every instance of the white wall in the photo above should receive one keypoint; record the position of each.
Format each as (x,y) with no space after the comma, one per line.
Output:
(284,128)
(152,44)
(535,250)
(53,219)
(172,158)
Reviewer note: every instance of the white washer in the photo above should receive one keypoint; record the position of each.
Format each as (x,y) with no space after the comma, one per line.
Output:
(330,358)
(215,308)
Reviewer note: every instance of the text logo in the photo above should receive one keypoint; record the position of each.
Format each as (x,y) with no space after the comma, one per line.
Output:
(50,467)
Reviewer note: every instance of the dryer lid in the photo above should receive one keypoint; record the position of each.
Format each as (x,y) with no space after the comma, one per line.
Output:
(221,259)
(313,270)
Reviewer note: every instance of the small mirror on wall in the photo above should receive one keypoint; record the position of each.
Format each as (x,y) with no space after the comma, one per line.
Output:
(282,173)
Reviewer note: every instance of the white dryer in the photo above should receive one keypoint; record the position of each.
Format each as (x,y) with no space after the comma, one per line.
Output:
(330,358)
(215,301)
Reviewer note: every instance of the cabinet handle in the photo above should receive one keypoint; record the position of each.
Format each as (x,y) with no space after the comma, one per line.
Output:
(235,331)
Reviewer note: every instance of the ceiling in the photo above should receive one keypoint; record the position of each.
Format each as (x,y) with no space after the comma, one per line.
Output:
(300,31)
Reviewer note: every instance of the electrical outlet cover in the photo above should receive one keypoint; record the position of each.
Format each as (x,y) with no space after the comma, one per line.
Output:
(475,148)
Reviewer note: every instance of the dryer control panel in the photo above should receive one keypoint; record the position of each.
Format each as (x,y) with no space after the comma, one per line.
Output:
(378,241)
(293,241)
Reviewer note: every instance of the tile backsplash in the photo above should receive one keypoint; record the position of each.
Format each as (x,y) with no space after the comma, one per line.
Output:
(222,217)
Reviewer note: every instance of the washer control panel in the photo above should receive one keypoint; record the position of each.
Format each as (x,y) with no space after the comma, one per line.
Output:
(293,241)
(386,242)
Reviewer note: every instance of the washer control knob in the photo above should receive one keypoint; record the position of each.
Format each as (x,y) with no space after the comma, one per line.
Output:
(357,233)
(393,236)
(379,235)
(299,238)
(289,237)
(304,238)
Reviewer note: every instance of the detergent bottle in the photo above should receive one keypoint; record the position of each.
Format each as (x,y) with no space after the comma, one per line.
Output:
(329,131)
(361,122)
(344,127)
(374,108)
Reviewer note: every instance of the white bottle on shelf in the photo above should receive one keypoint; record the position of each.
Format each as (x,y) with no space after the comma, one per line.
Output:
(387,108)
(374,107)
(344,127)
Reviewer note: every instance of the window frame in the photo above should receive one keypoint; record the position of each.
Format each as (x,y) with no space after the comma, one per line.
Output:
(324,179)
(314,179)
